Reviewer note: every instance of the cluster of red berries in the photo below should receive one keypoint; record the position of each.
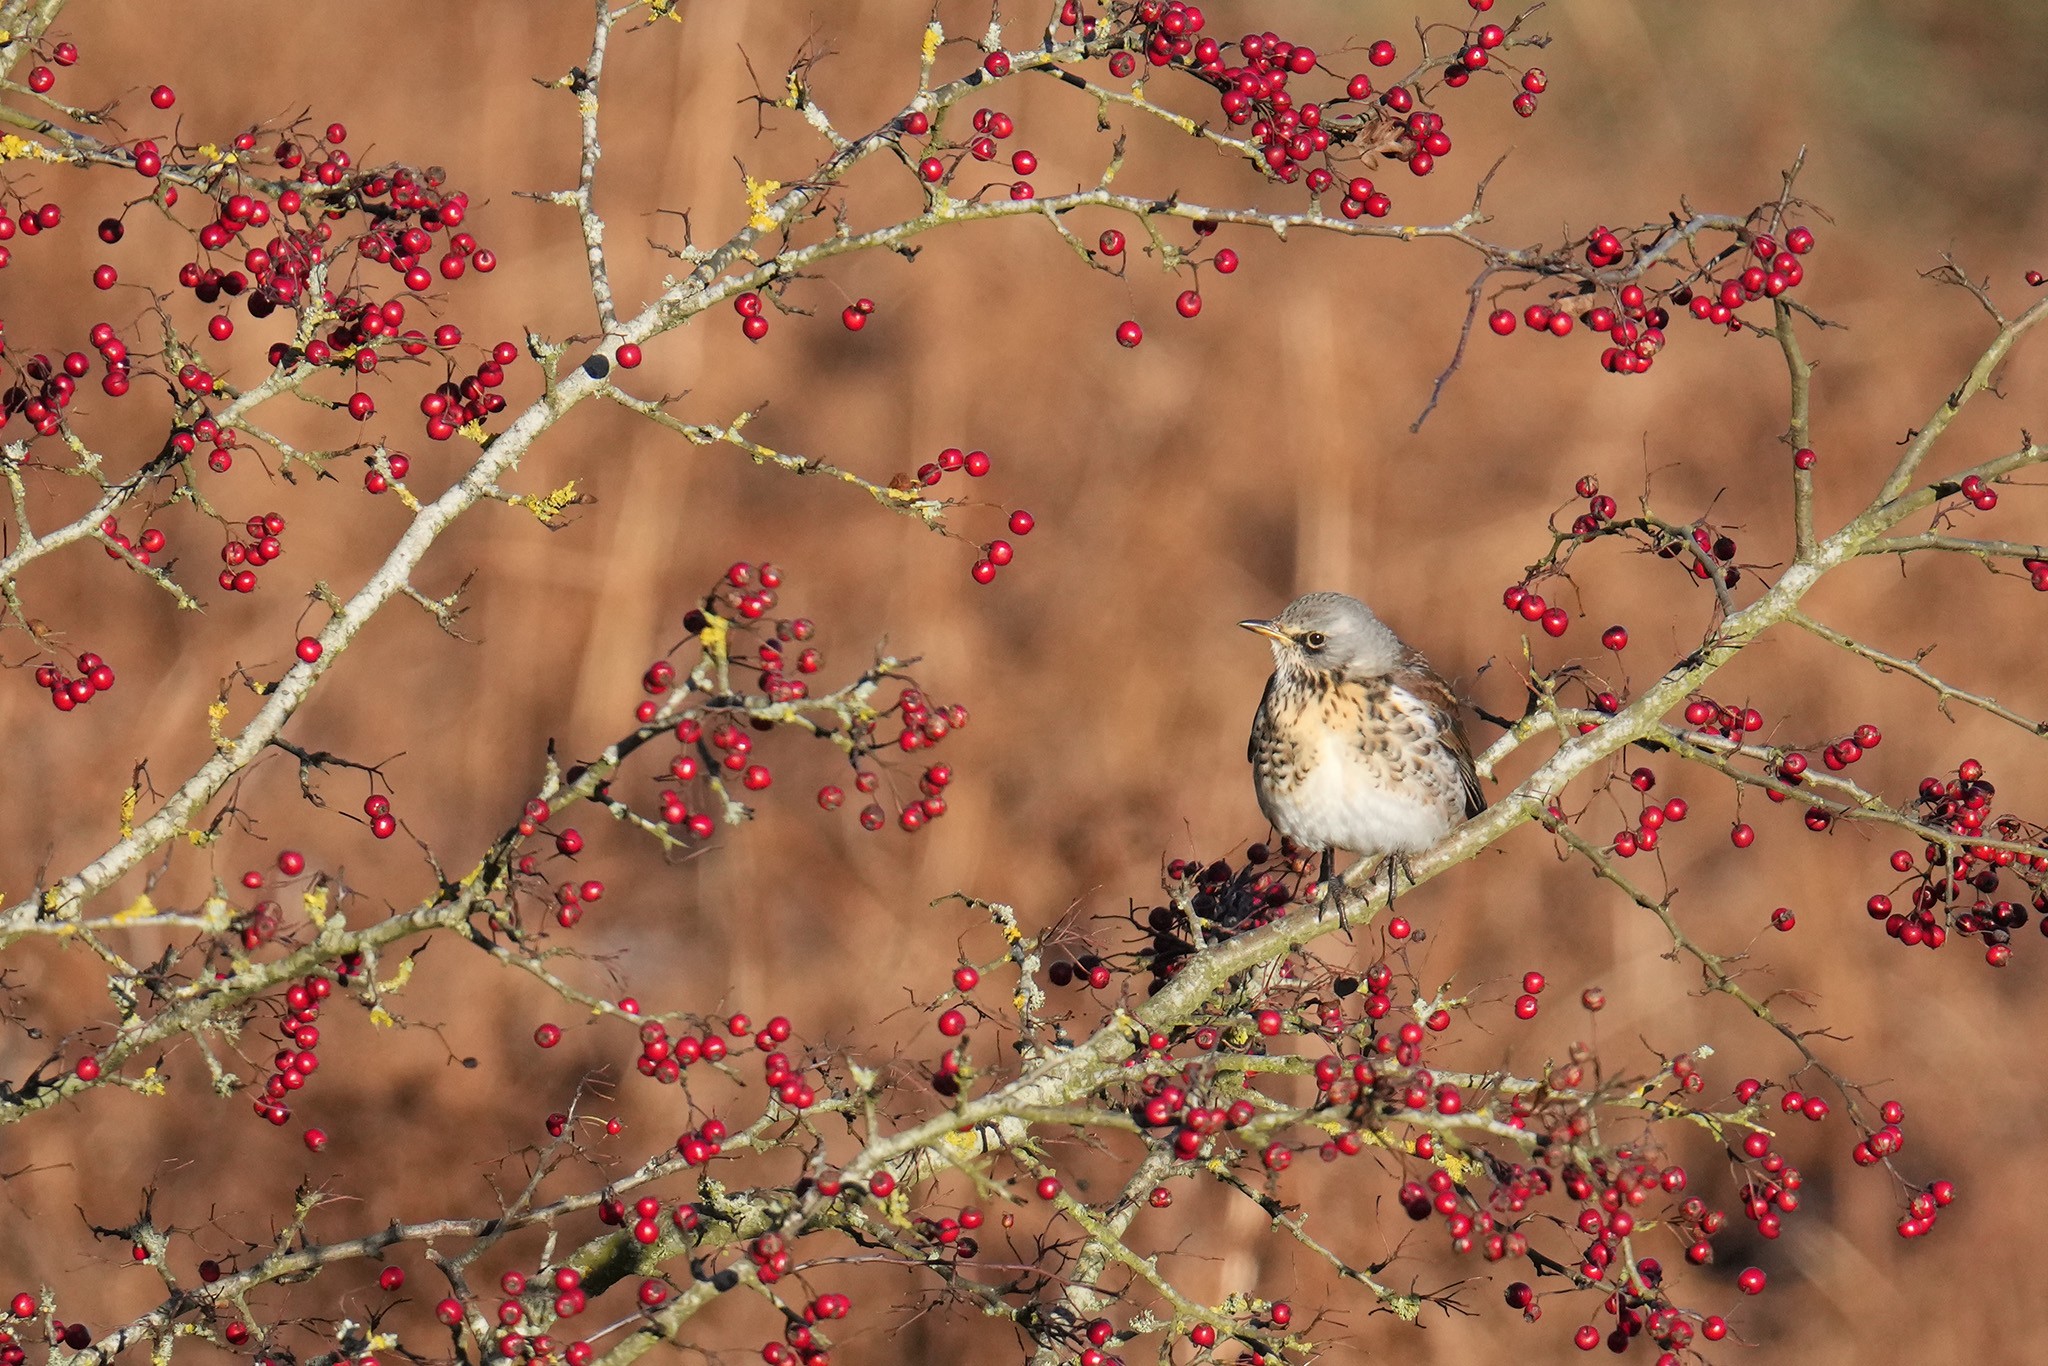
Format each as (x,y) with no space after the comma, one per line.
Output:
(992,126)
(32,222)
(854,316)
(801,1346)
(571,896)
(1521,598)
(1953,891)
(1885,1142)
(42,80)
(295,1059)
(1716,555)
(1634,320)
(1555,621)
(976,464)
(753,321)
(569,1300)
(377,808)
(1485,1211)
(185,440)
(150,542)
(279,240)
(1296,138)
(45,388)
(26,1307)
(1651,820)
(1291,133)
(450,407)
(664,1058)
(76,1336)
(240,559)
(95,676)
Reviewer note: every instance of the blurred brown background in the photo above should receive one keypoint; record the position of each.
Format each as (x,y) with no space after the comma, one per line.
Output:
(1209,475)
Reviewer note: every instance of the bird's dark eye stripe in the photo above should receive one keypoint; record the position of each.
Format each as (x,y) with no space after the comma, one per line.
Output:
(1314,640)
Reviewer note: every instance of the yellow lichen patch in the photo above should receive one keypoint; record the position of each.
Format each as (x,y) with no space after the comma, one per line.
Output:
(758,194)
(16,148)
(315,903)
(397,980)
(933,36)
(1457,1164)
(128,801)
(381,1018)
(139,909)
(215,714)
(548,506)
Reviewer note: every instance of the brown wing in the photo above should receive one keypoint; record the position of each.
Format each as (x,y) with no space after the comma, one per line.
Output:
(1251,749)
(1415,677)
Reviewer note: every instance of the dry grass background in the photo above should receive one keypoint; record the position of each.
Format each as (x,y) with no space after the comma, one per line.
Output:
(1209,475)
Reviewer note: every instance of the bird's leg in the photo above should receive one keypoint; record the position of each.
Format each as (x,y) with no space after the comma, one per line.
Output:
(1397,868)
(1334,888)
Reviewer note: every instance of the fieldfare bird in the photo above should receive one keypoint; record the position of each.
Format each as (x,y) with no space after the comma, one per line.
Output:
(1357,743)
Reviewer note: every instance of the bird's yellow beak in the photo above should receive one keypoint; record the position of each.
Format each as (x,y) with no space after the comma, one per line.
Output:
(1264,628)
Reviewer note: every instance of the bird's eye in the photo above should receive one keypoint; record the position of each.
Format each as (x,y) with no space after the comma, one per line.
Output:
(1314,640)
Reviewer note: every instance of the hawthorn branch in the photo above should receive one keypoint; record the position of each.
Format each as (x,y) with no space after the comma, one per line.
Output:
(1976,382)
(1984,550)
(930,511)
(1911,668)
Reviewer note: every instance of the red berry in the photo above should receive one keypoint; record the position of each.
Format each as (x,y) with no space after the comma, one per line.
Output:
(309,649)
(163,97)
(1128,333)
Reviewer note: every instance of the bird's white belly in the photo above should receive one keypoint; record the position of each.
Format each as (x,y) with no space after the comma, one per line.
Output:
(1340,802)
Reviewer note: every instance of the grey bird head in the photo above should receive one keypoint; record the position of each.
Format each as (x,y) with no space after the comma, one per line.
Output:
(1330,633)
